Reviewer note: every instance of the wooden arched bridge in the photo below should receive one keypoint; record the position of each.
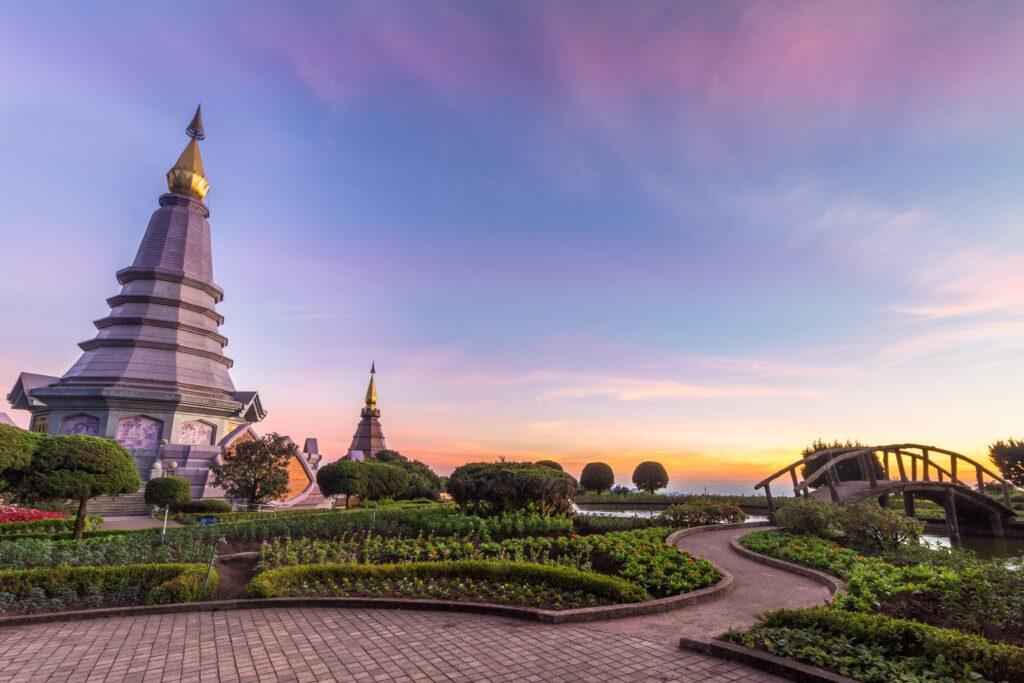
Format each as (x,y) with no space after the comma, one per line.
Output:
(952,480)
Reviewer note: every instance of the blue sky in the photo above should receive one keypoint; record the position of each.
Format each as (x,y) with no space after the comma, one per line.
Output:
(703,233)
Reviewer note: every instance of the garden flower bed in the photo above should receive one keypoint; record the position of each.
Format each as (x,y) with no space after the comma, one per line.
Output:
(640,556)
(873,647)
(637,563)
(515,583)
(12,514)
(937,587)
(54,589)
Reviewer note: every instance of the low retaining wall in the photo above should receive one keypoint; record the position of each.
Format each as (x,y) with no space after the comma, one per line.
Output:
(779,666)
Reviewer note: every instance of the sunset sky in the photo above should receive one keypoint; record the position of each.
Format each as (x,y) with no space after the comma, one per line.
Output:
(698,232)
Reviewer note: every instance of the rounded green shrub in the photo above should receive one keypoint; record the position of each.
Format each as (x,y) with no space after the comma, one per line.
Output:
(382,480)
(650,476)
(871,528)
(808,516)
(168,492)
(341,478)
(16,449)
(597,477)
(498,487)
(549,463)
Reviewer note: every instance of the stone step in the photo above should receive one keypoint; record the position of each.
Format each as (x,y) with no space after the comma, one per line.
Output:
(120,506)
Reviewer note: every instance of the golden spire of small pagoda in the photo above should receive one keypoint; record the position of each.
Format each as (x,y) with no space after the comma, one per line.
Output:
(371,390)
(187,176)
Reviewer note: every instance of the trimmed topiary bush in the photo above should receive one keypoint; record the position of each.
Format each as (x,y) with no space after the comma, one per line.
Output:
(170,492)
(650,476)
(549,463)
(16,449)
(341,478)
(597,477)
(382,480)
(489,488)
(79,467)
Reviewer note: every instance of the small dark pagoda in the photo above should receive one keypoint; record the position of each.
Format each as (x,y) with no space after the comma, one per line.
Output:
(369,437)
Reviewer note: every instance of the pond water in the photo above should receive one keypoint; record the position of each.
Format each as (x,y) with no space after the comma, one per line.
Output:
(984,546)
(644,513)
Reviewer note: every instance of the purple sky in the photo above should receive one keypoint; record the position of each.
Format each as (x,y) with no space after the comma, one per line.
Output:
(701,232)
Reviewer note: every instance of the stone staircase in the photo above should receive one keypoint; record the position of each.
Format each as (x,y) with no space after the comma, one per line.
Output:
(128,505)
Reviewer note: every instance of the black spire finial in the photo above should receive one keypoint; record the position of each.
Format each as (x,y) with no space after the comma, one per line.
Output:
(195,129)
(373,367)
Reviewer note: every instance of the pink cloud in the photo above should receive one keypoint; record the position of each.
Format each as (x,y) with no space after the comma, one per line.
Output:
(725,56)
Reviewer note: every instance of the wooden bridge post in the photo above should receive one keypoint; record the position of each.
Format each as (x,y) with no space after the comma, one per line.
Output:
(1006,493)
(981,480)
(952,523)
(908,504)
(925,463)
(885,464)
(952,467)
(796,484)
(771,504)
(867,465)
(995,521)
(899,464)
(913,468)
(830,476)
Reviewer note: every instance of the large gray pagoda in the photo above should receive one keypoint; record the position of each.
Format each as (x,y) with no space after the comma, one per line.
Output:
(369,437)
(155,376)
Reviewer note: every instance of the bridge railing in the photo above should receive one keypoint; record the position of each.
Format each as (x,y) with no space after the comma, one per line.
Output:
(906,459)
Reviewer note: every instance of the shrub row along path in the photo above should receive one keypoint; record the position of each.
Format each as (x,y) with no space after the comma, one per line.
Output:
(319,644)
(756,588)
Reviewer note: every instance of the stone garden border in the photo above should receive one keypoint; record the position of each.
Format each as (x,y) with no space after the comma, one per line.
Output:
(834,584)
(582,614)
(779,666)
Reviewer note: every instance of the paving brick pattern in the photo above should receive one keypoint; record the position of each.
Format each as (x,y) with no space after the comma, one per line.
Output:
(321,644)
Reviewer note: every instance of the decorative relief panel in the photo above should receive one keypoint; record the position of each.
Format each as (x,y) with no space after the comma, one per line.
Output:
(139,432)
(81,424)
(197,433)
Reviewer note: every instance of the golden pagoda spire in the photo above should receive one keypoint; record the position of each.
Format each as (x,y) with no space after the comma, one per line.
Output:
(187,176)
(371,390)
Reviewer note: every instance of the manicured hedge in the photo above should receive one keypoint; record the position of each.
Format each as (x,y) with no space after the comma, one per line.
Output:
(226,516)
(46,527)
(62,587)
(277,582)
(929,647)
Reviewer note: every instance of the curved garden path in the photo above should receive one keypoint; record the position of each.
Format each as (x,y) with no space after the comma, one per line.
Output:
(323,644)
(756,588)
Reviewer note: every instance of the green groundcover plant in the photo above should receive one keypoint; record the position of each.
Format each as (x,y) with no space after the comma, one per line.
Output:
(524,583)
(60,588)
(640,556)
(121,549)
(877,648)
(943,588)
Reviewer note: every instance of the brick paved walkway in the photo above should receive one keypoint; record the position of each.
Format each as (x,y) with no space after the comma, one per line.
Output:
(321,644)
(757,588)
